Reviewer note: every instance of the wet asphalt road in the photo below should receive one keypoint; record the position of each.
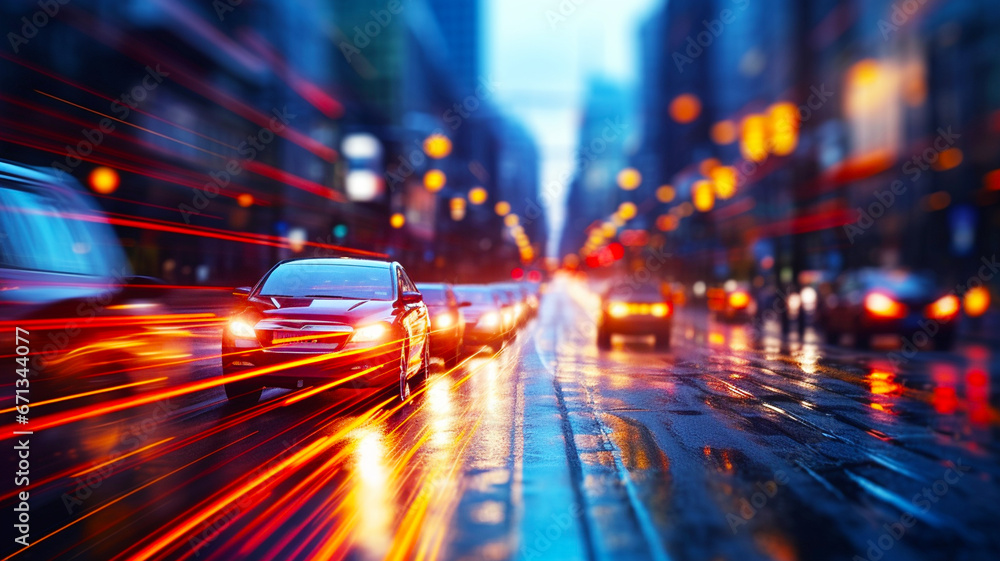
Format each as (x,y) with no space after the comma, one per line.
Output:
(724,448)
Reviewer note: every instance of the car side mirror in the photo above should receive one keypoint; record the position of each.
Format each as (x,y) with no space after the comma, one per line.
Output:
(464,304)
(242,292)
(408,298)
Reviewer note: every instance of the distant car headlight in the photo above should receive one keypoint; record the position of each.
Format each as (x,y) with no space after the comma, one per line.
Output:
(618,310)
(660,310)
(490,319)
(240,329)
(444,320)
(739,299)
(944,308)
(881,305)
(370,333)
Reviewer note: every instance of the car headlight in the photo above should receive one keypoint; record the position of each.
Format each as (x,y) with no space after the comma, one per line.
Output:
(444,320)
(880,305)
(739,299)
(944,308)
(489,319)
(618,310)
(370,333)
(240,329)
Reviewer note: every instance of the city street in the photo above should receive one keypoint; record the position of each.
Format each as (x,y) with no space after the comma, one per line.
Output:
(491,280)
(721,448)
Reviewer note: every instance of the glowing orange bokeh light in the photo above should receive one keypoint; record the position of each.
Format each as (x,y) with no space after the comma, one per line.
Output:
(434,180)
(437,146)
(104,180)
(685,108)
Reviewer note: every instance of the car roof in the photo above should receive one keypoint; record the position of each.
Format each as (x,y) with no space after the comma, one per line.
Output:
(349,261)
(480,287)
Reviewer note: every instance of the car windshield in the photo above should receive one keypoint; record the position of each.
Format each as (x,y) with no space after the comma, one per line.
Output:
(36,235)
(312,280)
(900,283)
(475,297)
(626,291)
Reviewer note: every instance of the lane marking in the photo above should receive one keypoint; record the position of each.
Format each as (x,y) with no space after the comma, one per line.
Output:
(649,533)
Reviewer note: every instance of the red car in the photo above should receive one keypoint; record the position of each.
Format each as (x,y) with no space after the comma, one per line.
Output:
(336,322)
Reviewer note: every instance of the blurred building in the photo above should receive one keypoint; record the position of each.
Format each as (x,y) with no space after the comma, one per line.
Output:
(594,196)
(356,88)
(461,26)
(818,109)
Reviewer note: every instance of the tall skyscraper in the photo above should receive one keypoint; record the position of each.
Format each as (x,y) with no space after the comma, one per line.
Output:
(459,21)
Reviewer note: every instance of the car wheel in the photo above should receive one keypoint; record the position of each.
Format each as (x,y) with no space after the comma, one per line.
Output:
(603,339)
(404,384)
(425,367)
(454,358)
(242,394)
(663,341)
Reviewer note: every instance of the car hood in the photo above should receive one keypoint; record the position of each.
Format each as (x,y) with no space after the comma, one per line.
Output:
(344,311)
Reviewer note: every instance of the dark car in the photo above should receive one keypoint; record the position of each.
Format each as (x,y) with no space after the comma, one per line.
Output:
(484,323)
(873,302)
(635,310)
(333,322)
(447,321)
(737,304)
(526,297)
(67,289)
(510,310)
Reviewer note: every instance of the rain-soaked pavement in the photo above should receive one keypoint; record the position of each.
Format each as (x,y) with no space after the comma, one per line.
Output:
(724,448)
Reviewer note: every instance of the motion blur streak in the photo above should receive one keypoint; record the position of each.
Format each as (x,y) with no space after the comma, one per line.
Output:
(168,540)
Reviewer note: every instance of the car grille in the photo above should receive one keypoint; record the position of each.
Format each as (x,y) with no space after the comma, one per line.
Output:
(304,337)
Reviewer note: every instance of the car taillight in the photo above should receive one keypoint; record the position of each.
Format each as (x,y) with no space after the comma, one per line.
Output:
(660,310)
(618,310)
(739,299)
(880,305)
(945,307)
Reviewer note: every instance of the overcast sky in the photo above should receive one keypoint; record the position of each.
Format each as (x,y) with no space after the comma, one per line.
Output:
(541,52)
